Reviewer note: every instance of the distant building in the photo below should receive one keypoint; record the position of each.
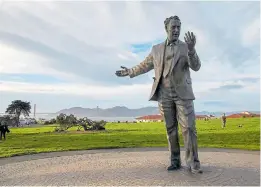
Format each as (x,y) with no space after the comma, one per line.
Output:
(246,113)
(150,118)
(159,118)
(201,117)
(243,115)
(213,117)
(205,117)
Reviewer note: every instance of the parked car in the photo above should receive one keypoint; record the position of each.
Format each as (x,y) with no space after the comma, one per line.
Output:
(23,122)
(27,121)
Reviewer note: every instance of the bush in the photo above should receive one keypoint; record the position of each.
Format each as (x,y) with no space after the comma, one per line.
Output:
(57,129)
(65,122)
(50,122)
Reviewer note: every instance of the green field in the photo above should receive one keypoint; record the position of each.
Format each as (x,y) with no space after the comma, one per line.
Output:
(119,135)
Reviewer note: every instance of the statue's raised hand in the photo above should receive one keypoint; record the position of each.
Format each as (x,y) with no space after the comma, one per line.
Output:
(122,73)
(190,39)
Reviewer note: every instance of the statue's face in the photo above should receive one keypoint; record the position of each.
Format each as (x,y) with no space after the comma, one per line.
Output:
(173,30)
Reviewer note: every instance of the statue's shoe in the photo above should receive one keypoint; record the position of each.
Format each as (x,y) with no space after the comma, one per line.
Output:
(174,167)
(195,171)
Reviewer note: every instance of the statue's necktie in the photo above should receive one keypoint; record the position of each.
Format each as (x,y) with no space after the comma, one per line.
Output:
(168,60)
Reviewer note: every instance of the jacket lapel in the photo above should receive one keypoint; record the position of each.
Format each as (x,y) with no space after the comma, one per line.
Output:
(162,52)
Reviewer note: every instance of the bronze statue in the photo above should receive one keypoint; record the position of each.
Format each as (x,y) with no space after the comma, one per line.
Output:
(172,88)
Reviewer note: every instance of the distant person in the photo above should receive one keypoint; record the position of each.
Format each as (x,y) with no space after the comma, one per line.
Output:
(224,120)
(3,129)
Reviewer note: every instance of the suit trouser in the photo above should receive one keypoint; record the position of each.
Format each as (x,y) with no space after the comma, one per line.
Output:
(182,112)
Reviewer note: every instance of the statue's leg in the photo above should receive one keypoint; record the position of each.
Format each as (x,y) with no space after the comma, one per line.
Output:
(168,111)
(187,121)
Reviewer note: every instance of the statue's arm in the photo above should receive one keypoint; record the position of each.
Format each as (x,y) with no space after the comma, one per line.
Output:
(143,67)
(193,60)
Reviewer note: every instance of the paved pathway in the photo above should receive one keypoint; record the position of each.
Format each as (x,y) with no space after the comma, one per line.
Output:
(140,166)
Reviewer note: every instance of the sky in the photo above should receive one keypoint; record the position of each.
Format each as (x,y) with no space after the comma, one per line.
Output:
(59,55)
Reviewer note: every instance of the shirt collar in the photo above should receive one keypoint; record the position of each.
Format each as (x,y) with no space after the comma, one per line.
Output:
(172,43)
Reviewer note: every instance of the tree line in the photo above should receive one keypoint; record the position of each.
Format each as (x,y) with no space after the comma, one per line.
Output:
(18,108)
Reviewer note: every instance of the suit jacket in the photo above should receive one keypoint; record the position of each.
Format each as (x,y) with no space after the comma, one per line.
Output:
(183,61)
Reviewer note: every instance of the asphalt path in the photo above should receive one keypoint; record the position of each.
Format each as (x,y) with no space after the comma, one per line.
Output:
(129,167)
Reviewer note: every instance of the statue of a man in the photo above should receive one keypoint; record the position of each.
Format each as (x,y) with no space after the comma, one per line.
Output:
(172,88)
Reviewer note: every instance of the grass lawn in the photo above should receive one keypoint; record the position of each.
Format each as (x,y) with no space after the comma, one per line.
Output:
(30,140)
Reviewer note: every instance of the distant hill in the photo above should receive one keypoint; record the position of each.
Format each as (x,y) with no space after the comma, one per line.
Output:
(118,111)
(122,111)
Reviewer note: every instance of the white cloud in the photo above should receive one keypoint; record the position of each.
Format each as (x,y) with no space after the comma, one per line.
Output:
(91,91)
(133,96)
(15,61)
(214,69)
(251,34)
(86,42)
(87,34)
(97,91)
(127,55)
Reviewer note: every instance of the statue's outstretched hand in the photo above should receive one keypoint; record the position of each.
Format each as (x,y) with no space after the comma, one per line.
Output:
(122,73)
(190,39)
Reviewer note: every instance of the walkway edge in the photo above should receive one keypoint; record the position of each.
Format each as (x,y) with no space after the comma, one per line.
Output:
(37,156)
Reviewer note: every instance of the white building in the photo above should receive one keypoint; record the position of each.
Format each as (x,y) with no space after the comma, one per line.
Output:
(150,118)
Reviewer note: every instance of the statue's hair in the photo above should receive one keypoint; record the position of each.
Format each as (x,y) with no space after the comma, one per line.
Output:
(167,20)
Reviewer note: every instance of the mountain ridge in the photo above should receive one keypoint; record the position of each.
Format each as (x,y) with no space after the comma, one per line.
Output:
(123,111)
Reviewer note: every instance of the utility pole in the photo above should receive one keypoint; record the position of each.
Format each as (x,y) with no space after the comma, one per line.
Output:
(34,110)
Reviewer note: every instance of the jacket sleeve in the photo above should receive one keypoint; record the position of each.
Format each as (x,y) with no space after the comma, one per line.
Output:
(144,67)
(193,60)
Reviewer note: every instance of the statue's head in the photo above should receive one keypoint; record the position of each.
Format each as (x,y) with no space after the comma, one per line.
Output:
(172,27)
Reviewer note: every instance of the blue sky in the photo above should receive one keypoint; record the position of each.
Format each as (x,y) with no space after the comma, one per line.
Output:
(64,54)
